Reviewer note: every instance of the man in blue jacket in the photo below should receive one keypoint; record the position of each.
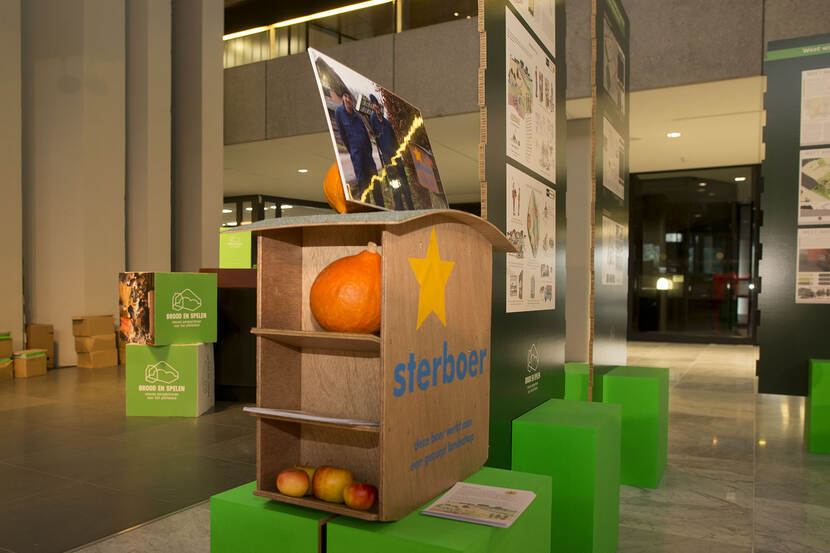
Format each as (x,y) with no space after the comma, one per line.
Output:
(355,137)
(387,147)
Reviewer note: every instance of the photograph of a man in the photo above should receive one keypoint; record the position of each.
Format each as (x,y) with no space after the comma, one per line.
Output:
(387,147)
(355,137)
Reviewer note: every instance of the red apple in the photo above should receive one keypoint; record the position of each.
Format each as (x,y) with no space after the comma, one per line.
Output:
(293,482)
(329,483)
(360,496)
(310,472)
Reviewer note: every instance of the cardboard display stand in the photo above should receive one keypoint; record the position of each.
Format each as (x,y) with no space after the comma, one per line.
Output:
(29,362)
(408,410)
(169,381)
(167,308)
(40,336)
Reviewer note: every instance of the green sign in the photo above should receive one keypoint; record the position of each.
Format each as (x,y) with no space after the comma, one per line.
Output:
(185,309)
(169,381)
(234,250)
(788,53)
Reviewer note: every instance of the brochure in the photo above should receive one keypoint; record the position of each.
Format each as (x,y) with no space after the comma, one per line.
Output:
(479,504)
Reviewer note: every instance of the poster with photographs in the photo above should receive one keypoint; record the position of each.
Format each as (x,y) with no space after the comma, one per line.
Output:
(815,107)
(531,227)
(381,144)
(614,252)
(613,159)
(540,15)
(531,101)
(813,270)
(613,70)
(814,187)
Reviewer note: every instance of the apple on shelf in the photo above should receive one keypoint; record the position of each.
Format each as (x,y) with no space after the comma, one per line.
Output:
(330,482)
(360,496)
(293,482)
(310,472)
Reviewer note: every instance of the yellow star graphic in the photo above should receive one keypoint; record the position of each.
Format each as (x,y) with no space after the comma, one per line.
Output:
(432,275)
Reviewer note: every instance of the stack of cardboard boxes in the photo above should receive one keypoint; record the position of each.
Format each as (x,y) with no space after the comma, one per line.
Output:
(6,350)
(29,362)
(95,341)
(168,323)
(39,336)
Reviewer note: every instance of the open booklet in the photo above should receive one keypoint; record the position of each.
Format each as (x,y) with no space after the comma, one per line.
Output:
(478,504)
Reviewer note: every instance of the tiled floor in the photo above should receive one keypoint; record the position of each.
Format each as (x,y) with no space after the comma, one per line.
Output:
(738,480)
(74,468)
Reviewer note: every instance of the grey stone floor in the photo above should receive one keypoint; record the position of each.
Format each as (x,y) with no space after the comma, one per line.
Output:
(739,479)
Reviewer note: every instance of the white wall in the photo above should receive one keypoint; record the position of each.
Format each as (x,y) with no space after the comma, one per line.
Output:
(11,212)
(73,163)
(148,135)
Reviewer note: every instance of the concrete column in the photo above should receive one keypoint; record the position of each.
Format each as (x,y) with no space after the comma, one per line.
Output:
(197,132)
(73,161)
(11,192)
(578,206)
(149,25)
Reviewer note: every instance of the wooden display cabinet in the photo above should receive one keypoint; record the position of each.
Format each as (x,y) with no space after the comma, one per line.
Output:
(381,406)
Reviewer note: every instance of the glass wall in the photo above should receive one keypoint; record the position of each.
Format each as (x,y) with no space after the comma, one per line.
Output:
(692,264)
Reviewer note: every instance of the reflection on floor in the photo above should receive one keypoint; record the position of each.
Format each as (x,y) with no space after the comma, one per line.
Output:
(74,468)
(739,479)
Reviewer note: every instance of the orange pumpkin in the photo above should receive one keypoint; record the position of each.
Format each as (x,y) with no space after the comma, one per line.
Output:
(333,189)
(345,296)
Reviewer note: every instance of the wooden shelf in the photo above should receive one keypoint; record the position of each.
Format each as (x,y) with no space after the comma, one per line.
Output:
(314,503)
(366,343)
(304,417)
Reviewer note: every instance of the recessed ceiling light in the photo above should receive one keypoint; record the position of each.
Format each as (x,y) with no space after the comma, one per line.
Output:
(231,224)
(740,179)
(273,207)
(227,211)
(286,206)
(302,170)
(468,17)
(673,134)
(701,184)
(455,14)
(249,209)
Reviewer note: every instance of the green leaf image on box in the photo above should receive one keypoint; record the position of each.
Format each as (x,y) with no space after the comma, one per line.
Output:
(234,250)
(167,308)
(169,381)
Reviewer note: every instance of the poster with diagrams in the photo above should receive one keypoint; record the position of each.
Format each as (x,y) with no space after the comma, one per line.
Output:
(813,270)
(531,101)
(815,107)
(613,159)
(531,227)
(814,187)
(613,70)
(614,252)
(540,16)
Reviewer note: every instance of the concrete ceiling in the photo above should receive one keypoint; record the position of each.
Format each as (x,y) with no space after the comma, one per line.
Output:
(720,124)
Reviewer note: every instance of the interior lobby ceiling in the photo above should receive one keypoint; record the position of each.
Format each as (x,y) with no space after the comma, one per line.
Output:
(720,123)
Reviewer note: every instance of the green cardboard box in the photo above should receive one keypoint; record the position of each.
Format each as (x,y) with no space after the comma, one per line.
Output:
(234,250)
(169,381)
(817,416)
(167,308)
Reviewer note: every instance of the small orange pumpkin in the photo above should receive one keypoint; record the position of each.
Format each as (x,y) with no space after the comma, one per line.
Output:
(333,189)
(345,296)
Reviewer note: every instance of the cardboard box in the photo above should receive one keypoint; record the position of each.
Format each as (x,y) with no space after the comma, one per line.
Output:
(169,381)
(92,325)
(29,362)
(39,336)
(167,308)
(95,343)
(6,369)
(6,348)
(98,359)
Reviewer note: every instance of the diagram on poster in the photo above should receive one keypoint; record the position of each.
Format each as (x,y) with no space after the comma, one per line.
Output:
(531,101)
(813,271)
(815,107)
(814,187)
(531,227)
(614,252)
(613,159)
(540,15)
(613,67)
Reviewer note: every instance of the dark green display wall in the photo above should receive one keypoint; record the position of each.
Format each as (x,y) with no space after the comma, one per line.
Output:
(610,310)
(516,337)
(789,334)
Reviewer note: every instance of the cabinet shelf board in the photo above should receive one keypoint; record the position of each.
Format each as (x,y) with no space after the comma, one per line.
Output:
(367,343)
(305,417)
(313,503)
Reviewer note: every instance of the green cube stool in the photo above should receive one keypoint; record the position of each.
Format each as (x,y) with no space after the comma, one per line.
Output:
(817,415)
(576,381)
(417,533)
(241,521)
(643,393)
(577,443)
